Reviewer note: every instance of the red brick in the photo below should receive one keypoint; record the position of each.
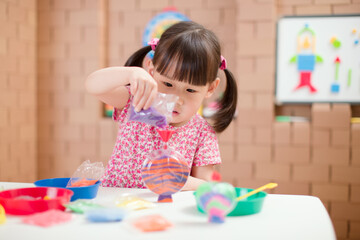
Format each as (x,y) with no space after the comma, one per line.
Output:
(256,118)
(265,30)
(331,192)
(211,16)
(83,18)
(294,154)
(300,134)
(67,4)
(256,47)
(82,116)
(255,82)
(320,137)
(119,6)
(245,100)
(339,156)
(67,133)
(286,187)
(346,9)
(345,211)
(245,30)
(255,11)
(253,153)
(68,100)
(294,2)
(341,228)
(231,170)
(67,34)
(355,157)
(355,135)
(281,133)
(53,148)
(346,175)
(228,136)
(335,116)
(354,232)
(52,18)
(265,65)
(311,10)
(244,135)
(355,193)
(311,173)
(263,136)
(52,51)
(227,152)
(332,1)
(107,131)
(274,171)
(87,149)
(229,15)
(340,138)
(264,101)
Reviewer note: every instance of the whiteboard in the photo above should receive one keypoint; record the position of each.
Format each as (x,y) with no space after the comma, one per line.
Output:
(318,59)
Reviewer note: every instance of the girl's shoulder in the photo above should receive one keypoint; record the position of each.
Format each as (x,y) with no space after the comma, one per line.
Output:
(200,123)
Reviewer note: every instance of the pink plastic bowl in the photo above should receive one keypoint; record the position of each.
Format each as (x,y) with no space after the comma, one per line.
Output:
(19,202)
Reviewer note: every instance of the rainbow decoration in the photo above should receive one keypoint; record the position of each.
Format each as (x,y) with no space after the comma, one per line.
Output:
(217,199)
(158,25)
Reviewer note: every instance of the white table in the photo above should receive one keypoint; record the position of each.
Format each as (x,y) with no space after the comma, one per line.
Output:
(282,217)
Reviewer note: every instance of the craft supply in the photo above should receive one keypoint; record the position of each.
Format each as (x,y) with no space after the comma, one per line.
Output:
(81,206)
(216,199)
(133,203)
(25,201)
(48,218)
(86,174)
(165,171)
(2,215)
(152,223)
(85,192)
(267,186)
(105,215)
(160,112)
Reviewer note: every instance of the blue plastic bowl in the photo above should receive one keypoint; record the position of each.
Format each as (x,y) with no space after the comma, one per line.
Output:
(86,192)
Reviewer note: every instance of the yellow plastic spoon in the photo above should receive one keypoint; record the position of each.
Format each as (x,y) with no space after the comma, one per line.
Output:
(2,215)
(266,186)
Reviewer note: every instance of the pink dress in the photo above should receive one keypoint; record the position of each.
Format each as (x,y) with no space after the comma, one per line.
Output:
(196,141)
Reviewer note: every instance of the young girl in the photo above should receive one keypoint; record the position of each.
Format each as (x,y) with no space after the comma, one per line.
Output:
(186,62)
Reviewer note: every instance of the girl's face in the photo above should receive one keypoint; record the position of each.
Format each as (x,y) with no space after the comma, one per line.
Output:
(190,96)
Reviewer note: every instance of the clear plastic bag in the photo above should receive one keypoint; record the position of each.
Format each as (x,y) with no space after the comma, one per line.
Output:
(86,174)
(160,112)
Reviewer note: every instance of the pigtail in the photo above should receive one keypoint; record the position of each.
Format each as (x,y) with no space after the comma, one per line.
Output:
(136,60)
(227,103)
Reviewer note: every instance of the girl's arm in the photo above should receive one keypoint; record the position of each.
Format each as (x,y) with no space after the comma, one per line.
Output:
(109,85)
(199,175)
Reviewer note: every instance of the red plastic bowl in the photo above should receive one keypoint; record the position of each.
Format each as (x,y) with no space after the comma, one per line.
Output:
(15,201)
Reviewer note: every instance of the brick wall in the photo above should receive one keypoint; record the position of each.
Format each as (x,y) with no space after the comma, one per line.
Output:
(76,37)
(18,91)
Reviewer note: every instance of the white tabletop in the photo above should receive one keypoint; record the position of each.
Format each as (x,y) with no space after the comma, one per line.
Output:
(282,217)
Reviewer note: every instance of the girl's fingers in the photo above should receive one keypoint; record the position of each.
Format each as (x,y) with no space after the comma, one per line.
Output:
(133,87)
(151,98)
(138,95)
(143,99)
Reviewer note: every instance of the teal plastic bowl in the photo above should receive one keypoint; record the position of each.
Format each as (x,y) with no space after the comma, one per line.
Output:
(247,206)
(86,192)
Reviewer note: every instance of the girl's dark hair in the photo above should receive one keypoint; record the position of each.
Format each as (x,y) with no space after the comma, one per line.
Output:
(196,53)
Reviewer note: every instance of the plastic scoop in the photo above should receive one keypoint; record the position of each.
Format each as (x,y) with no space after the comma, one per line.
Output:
(2,215)
(267,186)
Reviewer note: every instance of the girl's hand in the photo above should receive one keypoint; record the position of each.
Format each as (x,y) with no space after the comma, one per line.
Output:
(143,87)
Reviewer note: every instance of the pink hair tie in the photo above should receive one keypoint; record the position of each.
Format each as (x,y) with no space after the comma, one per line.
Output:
(153,43)
(223,63)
